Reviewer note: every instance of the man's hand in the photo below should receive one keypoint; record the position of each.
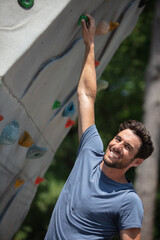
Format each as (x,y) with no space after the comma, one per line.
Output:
(88,30)
(87,86)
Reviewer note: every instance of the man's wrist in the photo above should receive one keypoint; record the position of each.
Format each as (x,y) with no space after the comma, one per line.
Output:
(90,46)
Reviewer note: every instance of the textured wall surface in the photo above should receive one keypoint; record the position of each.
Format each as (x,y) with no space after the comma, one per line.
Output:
(40,62)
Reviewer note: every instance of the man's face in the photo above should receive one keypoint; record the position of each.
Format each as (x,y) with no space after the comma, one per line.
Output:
(122,149)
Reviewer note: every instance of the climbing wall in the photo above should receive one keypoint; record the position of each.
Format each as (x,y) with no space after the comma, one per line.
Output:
(41,53)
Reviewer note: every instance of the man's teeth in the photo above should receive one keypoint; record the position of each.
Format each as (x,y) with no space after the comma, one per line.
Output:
(114,155)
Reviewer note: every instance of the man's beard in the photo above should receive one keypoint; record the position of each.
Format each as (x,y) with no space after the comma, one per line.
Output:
(117,165)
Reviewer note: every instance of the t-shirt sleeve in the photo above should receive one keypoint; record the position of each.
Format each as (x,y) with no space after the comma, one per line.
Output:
(131,212)
(91,139)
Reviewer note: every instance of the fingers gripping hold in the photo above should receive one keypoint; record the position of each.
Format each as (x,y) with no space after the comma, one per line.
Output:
(88,29)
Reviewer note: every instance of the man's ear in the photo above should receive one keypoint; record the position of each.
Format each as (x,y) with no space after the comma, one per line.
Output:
(137,162)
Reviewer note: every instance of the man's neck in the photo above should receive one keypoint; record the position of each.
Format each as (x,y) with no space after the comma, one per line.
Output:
(117,175)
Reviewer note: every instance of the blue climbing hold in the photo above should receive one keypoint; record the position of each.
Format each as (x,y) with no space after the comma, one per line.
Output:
(9,134)
(69,110)
(36,152)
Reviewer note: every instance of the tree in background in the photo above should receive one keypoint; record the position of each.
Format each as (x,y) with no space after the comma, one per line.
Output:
(147,173)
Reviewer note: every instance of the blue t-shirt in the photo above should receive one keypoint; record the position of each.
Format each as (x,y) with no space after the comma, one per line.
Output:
(91,205)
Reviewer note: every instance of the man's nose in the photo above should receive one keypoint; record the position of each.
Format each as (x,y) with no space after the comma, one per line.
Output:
(118,145)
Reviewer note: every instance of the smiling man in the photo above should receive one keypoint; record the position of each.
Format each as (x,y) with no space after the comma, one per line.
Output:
(97,200)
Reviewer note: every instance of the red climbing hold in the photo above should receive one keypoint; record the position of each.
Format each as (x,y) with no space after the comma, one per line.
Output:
(69,123)
(1,117)
(39,180)
(97,63)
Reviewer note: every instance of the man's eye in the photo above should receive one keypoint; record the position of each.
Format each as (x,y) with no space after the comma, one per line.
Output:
(117,139)
(127,148)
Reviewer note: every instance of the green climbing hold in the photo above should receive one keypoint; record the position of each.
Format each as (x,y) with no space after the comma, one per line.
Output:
(26,4)
(83,17)
(56,104)
(101,85)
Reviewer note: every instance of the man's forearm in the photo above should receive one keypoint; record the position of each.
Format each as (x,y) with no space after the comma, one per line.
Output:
(87,83)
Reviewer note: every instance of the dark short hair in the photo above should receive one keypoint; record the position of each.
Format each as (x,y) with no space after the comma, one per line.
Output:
(139,129)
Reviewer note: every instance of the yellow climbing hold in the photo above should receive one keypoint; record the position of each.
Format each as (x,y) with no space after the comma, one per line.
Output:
(26,140)
(19,182)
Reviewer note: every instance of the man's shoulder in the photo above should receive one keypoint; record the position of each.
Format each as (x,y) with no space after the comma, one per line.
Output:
(131,199)
(130,211)
(91,139)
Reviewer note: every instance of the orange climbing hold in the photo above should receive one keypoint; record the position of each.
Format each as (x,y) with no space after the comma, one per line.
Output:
(39,180)
(97,63)
(113,25)
(1,117)
(26,140)
(19,182)
(69,123)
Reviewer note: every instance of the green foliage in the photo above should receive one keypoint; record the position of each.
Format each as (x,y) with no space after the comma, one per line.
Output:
(122,100)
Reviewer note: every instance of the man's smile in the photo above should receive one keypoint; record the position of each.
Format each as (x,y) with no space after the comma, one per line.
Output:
(114,153)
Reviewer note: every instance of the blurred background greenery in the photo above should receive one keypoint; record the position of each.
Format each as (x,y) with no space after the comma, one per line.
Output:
(122,100)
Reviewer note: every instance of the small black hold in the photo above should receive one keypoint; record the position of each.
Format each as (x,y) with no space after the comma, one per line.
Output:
(142,3)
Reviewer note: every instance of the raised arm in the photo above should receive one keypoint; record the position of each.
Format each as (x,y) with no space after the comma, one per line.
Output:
(87,87)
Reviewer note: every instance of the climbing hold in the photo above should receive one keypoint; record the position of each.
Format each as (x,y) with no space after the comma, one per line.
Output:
(1,117)
(102,84)
(19,182)
(9,134)
(104,27)
(26,4)
(36,152)
(142,3)
(39,180)
(83,17)
(96,63)
(69,110)
(113,25)
(69,123)
(26,140)
(56,104)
